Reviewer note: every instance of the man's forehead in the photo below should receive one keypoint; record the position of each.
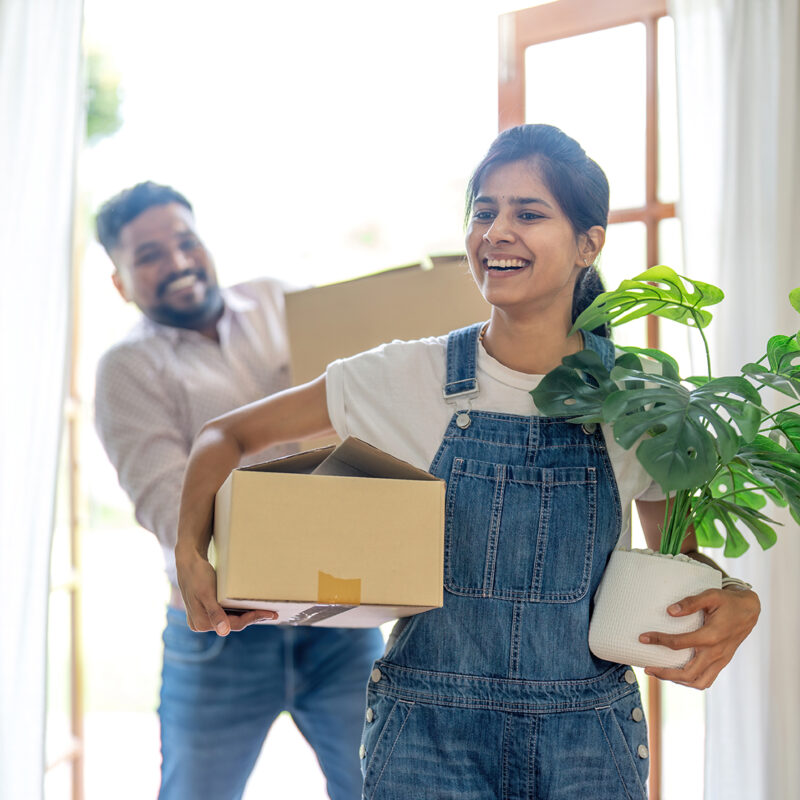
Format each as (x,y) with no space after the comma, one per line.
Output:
(156,224)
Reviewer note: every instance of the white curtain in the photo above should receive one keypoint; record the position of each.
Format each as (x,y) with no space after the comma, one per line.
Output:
(739,117)
(39,102)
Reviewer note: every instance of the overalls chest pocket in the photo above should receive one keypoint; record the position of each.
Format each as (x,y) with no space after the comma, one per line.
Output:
(519,532)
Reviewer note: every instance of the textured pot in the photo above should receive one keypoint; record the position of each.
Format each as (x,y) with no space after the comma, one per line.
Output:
(632,599)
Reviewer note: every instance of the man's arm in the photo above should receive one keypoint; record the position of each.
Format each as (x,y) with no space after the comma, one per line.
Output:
(136,421)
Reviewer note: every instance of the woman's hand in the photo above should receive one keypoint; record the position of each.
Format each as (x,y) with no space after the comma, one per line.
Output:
(198,584)
(730,615)
(292,415)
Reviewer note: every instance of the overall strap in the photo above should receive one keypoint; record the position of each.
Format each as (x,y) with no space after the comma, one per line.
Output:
(601,345)
(462,354)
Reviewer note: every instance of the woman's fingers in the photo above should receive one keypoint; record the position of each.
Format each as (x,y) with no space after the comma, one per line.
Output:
(729,616)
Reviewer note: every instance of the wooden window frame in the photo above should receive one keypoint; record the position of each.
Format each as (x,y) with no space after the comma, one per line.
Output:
(562,19)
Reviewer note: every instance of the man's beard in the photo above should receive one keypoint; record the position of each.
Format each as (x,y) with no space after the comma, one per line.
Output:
(195,318)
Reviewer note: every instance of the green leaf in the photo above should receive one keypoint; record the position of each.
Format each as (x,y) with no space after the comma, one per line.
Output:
(576,389)
(786,384)
(707,533)
(782,351)
(690,432)
(669,366)
(788,424)
(638,297)
(563,392)
(728,513)
(794,298)
(769,464)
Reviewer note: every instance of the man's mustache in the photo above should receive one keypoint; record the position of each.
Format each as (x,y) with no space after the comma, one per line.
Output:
(162,287)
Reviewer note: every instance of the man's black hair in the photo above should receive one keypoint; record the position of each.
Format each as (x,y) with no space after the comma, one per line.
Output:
(117,212)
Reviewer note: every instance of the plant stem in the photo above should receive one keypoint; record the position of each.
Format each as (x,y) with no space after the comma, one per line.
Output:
(705,342)
(788,408)
(677,520)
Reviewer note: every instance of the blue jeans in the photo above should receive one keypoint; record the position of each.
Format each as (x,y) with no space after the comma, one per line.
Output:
(219,697)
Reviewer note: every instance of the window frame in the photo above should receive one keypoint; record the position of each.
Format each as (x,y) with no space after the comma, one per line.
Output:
(519,30)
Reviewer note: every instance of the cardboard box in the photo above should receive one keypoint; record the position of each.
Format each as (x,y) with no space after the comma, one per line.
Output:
(344,536)
(412,302)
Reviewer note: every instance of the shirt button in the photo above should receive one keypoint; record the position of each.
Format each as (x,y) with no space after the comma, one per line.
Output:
(630,676)
(362,751)
(637,715)
(377,675)
(642,751)
(370,715)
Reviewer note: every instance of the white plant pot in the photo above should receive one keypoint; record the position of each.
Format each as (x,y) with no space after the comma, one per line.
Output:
(632,599)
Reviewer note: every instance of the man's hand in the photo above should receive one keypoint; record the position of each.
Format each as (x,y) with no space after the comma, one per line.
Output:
(730,615)
(198,585)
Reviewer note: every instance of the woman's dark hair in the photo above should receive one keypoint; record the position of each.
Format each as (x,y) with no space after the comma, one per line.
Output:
(121,209)
(577,183)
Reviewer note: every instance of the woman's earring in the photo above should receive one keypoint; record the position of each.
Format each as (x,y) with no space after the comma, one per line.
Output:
(585,263)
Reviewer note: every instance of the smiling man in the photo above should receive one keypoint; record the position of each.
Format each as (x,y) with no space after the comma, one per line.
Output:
(198,352)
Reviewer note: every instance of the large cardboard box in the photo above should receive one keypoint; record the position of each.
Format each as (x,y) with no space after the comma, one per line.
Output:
(344,536)
(412,302)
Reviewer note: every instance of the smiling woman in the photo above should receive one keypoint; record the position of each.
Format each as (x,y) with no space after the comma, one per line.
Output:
(538,213)
(534,508)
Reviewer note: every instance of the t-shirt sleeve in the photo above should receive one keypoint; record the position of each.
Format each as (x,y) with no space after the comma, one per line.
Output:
(334,390)
(652,493)
(391,397)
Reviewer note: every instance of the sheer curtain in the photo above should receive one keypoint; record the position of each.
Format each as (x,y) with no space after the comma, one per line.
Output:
(39,87)
(739,117)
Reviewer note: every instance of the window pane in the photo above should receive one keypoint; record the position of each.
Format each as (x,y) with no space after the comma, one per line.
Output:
(674,338)
(668,175)
(593,87)
(625,255)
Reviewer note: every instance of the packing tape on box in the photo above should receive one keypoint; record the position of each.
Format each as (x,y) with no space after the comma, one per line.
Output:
(331,589)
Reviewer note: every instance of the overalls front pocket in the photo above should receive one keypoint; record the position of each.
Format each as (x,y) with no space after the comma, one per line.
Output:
(520,532)
(386,719)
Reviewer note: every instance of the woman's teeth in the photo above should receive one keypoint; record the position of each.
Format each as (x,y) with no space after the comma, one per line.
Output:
(506,263)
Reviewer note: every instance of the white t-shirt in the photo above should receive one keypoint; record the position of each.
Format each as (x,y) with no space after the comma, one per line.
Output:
(391,397)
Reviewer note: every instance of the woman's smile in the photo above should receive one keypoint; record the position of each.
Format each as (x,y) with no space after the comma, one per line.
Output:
(505,265)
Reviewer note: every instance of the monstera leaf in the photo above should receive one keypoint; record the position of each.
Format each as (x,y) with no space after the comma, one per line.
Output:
(787,429)
(735,494)
(669,366)
(691,432)
(639,297)
(783,372)
(770,464)
(729,515)
(566,391)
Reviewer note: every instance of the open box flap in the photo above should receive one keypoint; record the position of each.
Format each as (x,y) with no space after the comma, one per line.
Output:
(354,457)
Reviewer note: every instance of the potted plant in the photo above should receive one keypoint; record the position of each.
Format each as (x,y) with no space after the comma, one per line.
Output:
(709,442)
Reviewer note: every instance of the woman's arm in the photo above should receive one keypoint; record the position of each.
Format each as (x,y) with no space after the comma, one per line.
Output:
(730,614)
(292,415)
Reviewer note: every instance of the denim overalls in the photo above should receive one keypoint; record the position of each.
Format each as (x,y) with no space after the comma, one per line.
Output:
(496,695)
